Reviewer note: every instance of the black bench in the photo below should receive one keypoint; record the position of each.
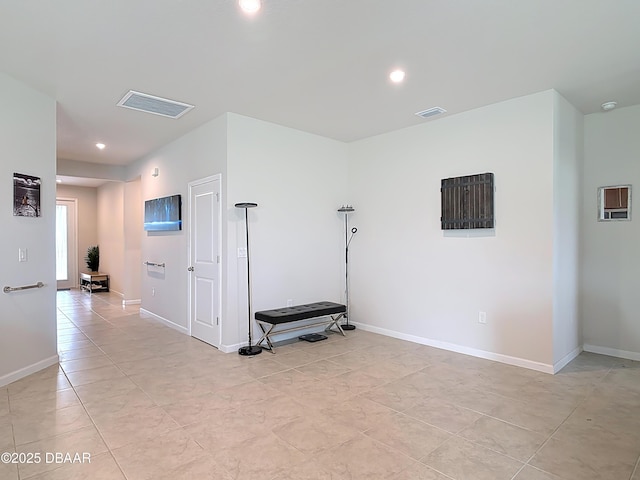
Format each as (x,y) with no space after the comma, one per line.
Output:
(267,320)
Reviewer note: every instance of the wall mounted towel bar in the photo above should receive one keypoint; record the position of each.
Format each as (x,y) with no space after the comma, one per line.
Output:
(153,264)
(26,287)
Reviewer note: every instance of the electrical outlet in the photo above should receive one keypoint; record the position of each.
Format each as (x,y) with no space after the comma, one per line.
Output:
(482,317)
(290,303)
(242,252)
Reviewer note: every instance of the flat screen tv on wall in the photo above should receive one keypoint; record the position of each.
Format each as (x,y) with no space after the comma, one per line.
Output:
(163,214)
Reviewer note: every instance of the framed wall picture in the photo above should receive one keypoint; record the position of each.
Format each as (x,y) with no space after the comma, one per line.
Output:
(26,195)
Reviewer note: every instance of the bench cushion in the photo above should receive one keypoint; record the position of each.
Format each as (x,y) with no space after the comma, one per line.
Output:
(300,312)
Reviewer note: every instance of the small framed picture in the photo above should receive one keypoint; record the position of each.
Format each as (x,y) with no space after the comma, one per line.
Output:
(26,195)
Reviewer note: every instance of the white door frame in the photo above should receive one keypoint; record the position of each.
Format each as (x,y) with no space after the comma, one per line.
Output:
(219,253)
(72,261)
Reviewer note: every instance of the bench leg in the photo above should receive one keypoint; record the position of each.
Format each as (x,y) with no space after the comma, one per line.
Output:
(336,321)
(267,328)
(265,335)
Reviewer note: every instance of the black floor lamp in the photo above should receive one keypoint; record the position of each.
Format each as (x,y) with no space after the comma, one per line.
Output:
(346,209)
(249,349)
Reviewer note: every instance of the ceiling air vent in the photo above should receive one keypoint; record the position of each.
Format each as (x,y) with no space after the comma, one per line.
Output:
(430,112)
(156,105)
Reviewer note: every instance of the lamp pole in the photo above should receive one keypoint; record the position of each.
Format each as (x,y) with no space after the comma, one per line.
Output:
(249,349)
(346,209)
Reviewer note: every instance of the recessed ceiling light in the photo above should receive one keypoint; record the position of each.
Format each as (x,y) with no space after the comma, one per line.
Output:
(250,6)
(397,76)
(101,146)
(606,106)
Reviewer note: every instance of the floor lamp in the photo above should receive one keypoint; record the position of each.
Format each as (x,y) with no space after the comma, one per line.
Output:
(249,349)
(346,209)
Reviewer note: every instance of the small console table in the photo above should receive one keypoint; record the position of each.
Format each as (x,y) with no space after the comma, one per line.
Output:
(94,282)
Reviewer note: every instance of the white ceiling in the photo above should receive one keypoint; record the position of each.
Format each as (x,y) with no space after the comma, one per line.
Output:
(316,65)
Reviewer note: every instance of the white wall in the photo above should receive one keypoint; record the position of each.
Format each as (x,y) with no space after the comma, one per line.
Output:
(133,225)
(111,233)
(28,318)
(73,168)
(610,260)
(409,279)
(87,201)
(568,153)
(198,154)
(298,181)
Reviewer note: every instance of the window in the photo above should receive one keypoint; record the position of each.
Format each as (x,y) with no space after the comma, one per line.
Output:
(614,203)
(62,272)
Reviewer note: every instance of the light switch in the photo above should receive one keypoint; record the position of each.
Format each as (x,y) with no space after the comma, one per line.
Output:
(22,255)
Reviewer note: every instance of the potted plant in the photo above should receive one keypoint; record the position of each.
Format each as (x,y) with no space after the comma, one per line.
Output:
(93,258)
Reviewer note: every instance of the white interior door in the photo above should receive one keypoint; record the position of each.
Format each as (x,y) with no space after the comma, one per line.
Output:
(204,274)
(66,243)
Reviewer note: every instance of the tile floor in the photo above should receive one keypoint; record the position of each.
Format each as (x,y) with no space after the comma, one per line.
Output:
(147,402)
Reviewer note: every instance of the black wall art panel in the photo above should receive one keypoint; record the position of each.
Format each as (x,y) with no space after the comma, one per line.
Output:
(467,202)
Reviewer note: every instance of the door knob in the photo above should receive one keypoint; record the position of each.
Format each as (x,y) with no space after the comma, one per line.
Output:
(190,269)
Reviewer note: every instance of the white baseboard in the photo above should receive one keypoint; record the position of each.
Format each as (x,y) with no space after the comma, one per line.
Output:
(612,352)
(131,302)
(26,371)
(231,348)
(185,330)
(498,357)
(277,337)
(168,323)
(559,365)
(115,292)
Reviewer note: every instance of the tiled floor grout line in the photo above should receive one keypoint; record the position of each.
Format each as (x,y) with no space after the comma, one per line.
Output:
(578,393)
(433,468)
(561,424)
(92,420)
(636,468)
(452,434)
(457,434)
(20,476)
(364,432)
(13,430)
(180,427)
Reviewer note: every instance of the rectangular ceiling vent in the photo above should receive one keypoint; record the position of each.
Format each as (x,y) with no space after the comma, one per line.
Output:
(430,112)
(156,105)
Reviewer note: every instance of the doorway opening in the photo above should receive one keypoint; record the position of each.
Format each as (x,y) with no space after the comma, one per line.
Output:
(66,243)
